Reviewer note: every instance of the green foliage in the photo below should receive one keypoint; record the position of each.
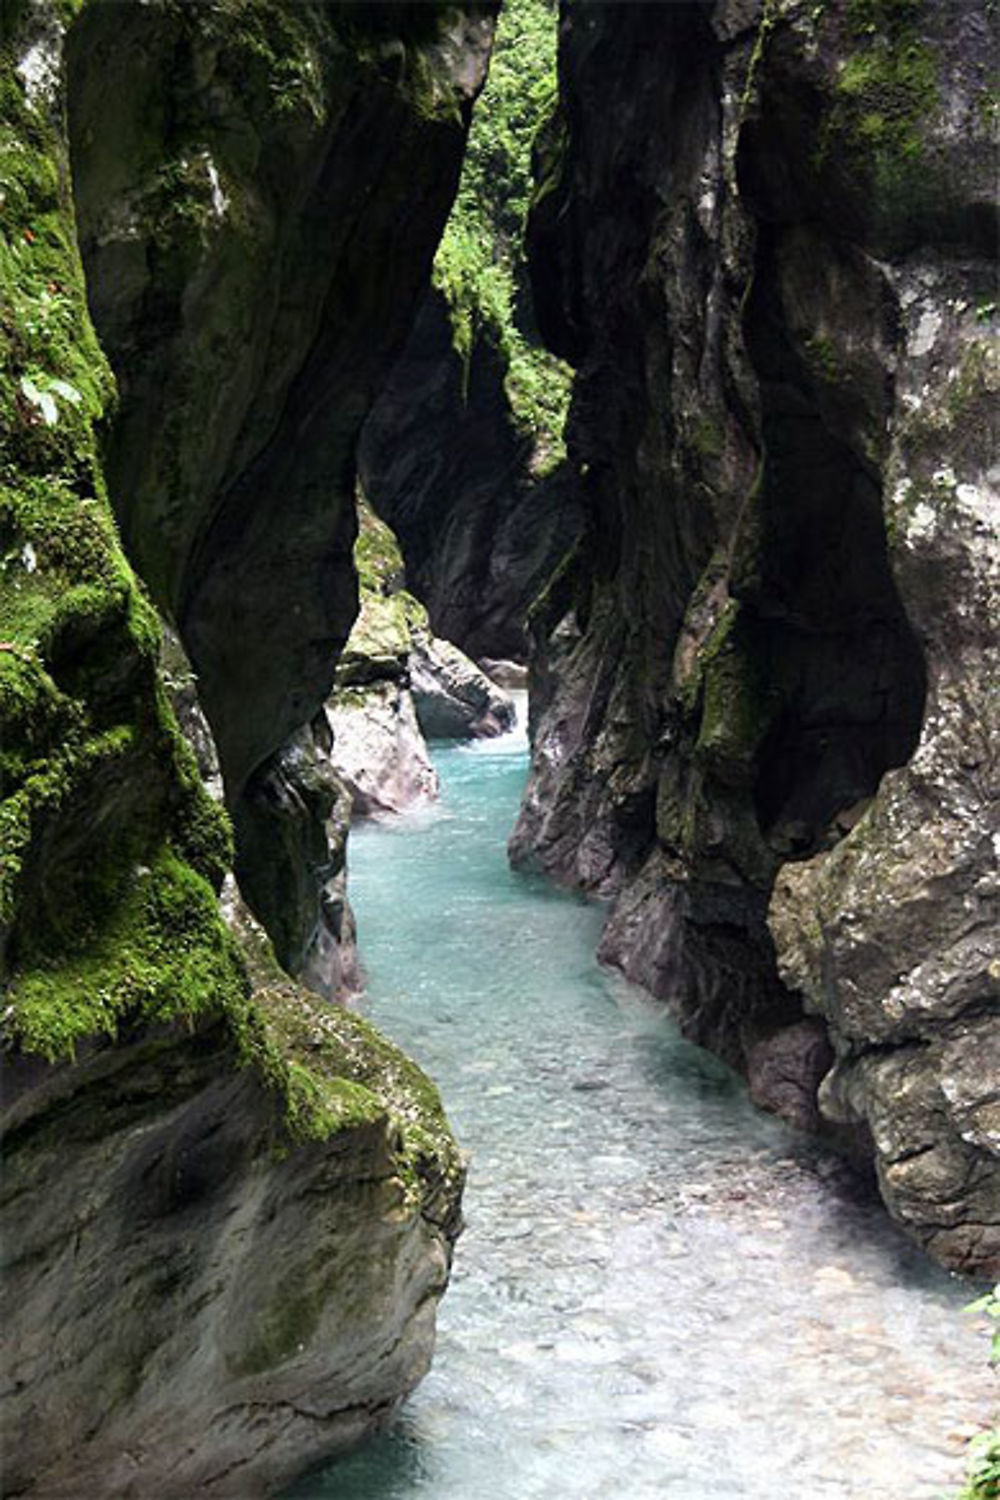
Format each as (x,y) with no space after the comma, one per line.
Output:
(983,1482)
(990,1305)
(478,262)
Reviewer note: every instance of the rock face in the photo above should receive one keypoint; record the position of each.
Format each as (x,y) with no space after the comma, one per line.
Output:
(228,1211)
(772,643)
(892,935)
(378,750)
(454,700)
(240,175)
(199,1303)
(447,467)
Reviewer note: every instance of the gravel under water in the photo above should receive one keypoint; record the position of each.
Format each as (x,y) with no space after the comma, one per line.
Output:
(661,1293)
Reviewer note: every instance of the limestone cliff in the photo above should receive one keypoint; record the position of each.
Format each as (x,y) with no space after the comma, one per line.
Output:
(228,1211)
(765,236)
(240,201)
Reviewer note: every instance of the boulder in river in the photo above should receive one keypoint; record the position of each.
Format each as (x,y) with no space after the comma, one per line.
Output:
(453,698)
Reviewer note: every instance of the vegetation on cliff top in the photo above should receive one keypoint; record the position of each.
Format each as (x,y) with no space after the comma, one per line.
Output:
(478,265)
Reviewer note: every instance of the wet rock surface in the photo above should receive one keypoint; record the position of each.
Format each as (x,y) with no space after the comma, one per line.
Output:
(445,464)
(780,609)
(192,1306)
(398,685)
(892,936)
(379,751)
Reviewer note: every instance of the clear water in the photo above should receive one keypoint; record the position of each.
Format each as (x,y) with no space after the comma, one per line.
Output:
(660,1294)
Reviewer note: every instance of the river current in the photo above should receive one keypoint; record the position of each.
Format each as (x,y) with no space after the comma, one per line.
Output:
(660,1293)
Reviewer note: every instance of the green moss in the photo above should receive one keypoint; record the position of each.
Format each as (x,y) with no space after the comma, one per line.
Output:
(380,641)
(162,955)
(765,26)
(821,355)
(707,437)
(956,417)
(377,557)
(885,99)
(109,846)
(271,49)
(736,706)
(97,781)
(334,1070)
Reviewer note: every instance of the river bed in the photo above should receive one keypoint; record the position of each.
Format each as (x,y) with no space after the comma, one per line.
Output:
(661,1293)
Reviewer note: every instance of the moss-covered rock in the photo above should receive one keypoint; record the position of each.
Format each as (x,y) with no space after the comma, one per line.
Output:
(239,206)
(227,1216)
(397,684)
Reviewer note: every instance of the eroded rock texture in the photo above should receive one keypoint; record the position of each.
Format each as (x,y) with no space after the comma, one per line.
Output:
(378,749)
(243,175)
(454,700)
(774,276)
(462,453)
(195,1304)
(228,1211)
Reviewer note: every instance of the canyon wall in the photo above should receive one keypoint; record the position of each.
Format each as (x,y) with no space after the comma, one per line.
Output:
(239,206)
(228,1208)
(765,236)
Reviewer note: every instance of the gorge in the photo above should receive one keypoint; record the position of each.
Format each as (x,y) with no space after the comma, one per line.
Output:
(712,447)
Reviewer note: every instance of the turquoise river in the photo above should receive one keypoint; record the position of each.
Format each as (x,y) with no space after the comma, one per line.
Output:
(660,1293)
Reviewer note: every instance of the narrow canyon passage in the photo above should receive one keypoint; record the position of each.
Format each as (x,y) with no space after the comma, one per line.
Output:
(660,1292)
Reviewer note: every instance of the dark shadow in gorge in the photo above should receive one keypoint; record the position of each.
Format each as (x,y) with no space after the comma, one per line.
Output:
(844,672)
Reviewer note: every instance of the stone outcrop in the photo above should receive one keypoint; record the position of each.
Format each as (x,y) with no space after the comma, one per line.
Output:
(453,699)
(773,273)
(398,685)
(378,749)
(239,207)
(205,1292)
(892,935)
(228,1210)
